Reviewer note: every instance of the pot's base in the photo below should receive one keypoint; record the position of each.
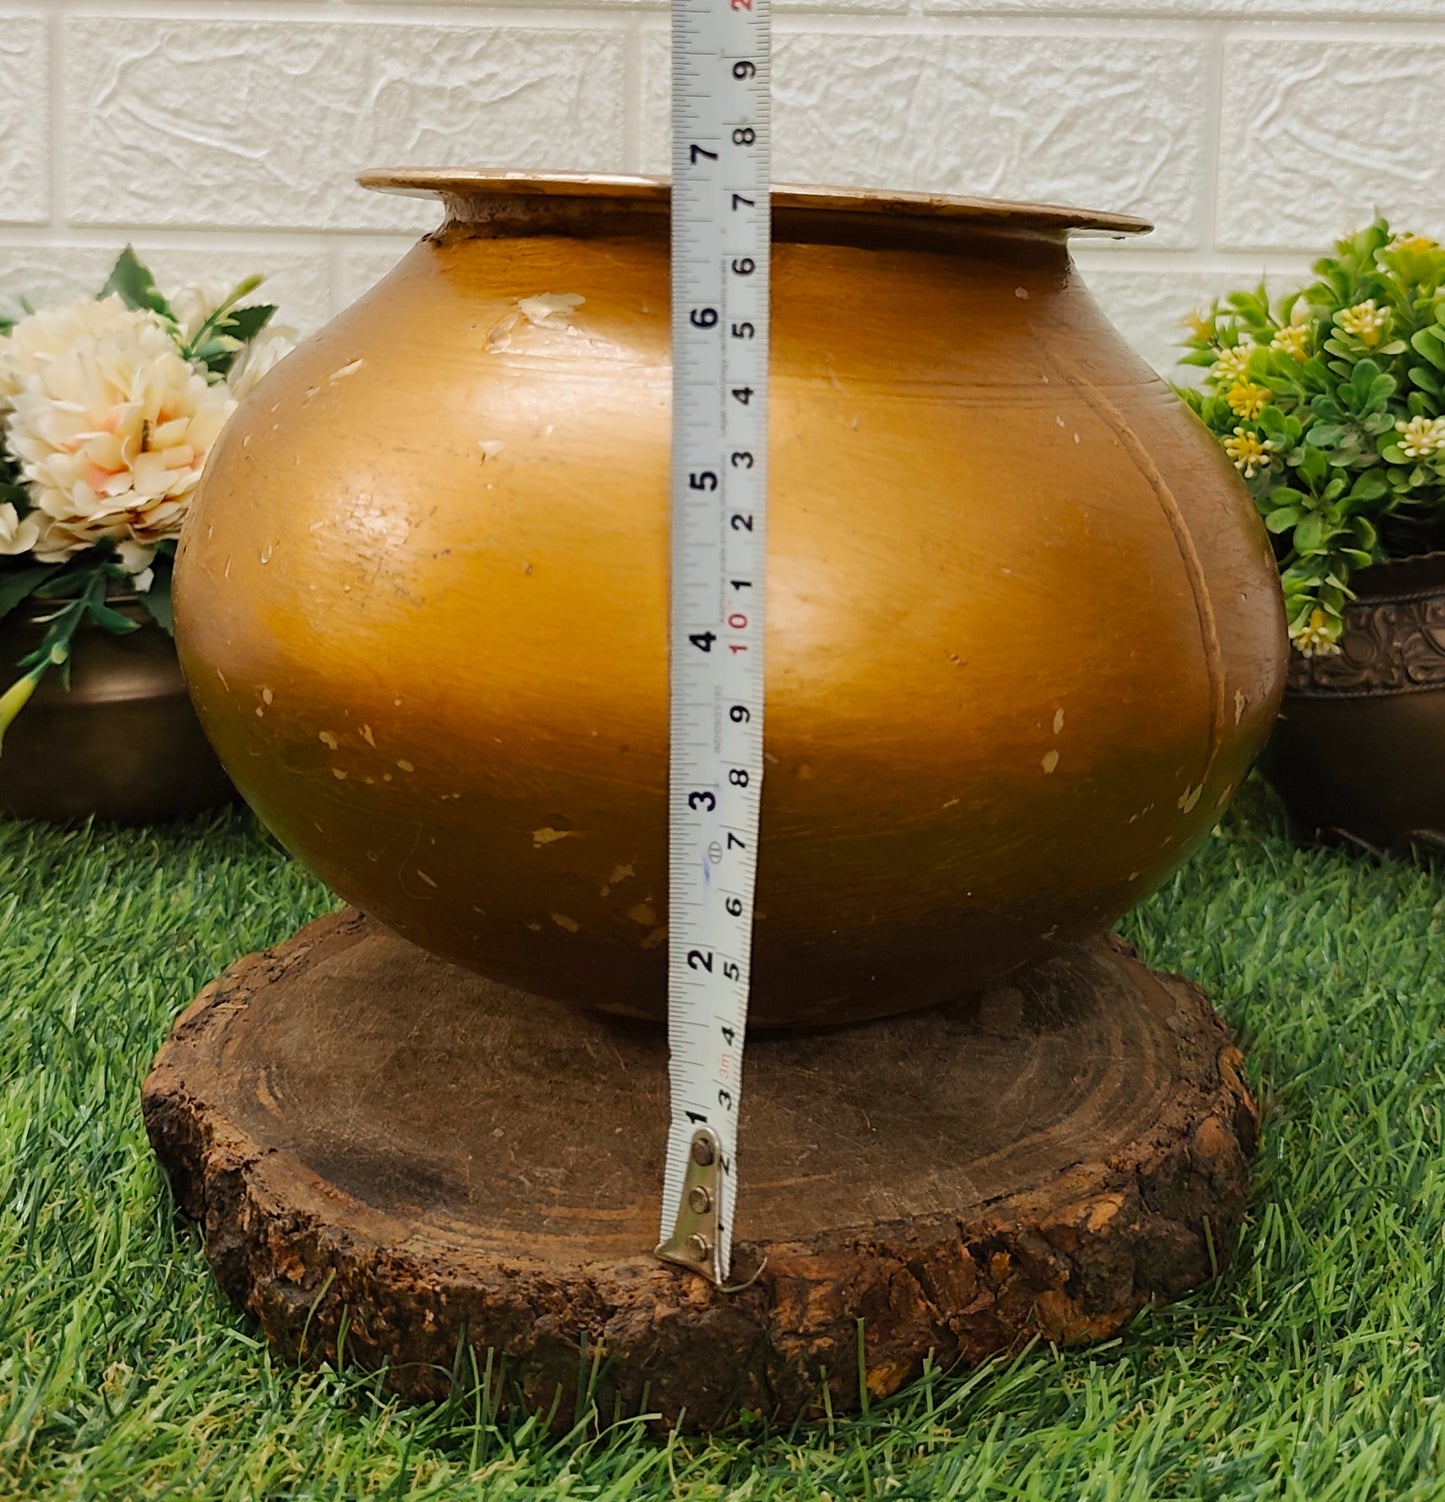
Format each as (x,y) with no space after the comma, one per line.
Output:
(396,1160)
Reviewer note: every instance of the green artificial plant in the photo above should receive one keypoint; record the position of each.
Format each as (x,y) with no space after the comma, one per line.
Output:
(1330,401)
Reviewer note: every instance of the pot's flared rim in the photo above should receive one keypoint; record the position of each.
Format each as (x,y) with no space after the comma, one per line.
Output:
(483,184)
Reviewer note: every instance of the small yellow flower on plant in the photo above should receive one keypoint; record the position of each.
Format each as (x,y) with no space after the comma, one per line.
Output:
(1231,363)
(1201,325)
(1316,637)
(1365,321)
(1249,452)
(1247,399)
(1419,438)
(1293,340)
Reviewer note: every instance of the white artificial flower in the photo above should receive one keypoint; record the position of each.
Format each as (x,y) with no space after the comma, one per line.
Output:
(134,557)
(111,435)
(266,350)
(195,303)
(16,535)
(45,336)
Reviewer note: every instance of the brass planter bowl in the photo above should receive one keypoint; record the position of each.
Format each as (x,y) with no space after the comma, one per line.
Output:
(1360,744)
(122,744)
(1024,628)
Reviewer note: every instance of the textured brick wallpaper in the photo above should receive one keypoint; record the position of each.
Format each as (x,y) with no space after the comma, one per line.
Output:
(222,135)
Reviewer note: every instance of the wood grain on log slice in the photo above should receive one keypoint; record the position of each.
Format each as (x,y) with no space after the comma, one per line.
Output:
(393,1153)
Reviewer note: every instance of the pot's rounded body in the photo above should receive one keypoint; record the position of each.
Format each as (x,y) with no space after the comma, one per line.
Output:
(1024,634)
(121,744)
(1360,740)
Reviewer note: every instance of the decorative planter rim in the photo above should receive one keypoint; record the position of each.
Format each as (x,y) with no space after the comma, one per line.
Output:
(503,188)
(1409,578)
(1394,637)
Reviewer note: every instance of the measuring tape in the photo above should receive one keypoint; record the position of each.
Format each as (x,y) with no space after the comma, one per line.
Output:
(721,244)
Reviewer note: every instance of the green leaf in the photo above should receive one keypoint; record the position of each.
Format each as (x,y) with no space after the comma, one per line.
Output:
(217,344)
(111,620)
(1427,380)
(1312,464)
(157,601)
(1380,390)
(1370,486)
(245,323)
(1310,533)
(1272,422)
(21,584)
(54,648)
(218,340)
(137,287)
(1283,519)
(1431,343)
(233,330)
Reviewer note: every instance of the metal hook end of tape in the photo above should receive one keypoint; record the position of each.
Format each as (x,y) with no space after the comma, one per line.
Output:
(694,1240)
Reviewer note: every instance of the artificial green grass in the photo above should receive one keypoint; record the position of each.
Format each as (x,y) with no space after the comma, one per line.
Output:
(1314,1369)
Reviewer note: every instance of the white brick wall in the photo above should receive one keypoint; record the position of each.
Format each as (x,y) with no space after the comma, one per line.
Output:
(221,136)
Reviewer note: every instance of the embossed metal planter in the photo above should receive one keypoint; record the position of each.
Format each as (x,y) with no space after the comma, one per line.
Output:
(1359,749)
(122,743)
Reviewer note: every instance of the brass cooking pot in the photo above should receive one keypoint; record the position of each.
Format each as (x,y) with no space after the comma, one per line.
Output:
(1024,631)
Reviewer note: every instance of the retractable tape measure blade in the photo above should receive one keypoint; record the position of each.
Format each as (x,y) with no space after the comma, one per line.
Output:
(721,245)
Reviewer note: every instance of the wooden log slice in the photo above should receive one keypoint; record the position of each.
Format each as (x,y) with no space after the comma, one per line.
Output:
(399,1158)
